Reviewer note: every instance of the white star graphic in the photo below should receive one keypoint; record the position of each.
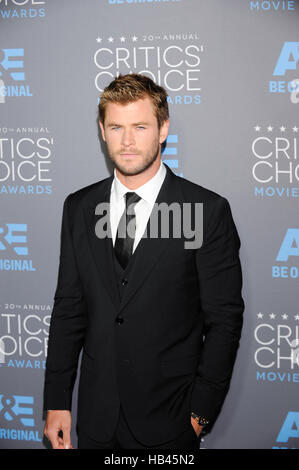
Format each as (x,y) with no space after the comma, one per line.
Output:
(282,129)
(272,316)
(269,128)
(284,316)
(296,317)
(110,39)
(257,128)
(122,39)
(134,38)
(295,129)
(99,39)
(260,315)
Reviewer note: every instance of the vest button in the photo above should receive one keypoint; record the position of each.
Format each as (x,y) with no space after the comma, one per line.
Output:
(119,320)
(124,282)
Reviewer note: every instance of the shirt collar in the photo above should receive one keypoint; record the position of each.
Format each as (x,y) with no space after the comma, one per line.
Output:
(148,191)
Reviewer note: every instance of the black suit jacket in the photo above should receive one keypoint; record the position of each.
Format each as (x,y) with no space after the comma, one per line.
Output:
(169,346)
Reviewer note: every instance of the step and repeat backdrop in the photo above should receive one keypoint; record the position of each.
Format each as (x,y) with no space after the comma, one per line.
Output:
(231,69)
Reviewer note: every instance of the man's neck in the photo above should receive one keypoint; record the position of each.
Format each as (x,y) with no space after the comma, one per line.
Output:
(135,181)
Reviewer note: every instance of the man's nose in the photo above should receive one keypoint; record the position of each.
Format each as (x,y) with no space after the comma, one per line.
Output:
(128,137)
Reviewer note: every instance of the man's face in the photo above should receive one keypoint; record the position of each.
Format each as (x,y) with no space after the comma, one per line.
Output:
(132,135)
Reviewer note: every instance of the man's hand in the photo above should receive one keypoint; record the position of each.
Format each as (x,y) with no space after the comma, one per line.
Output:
(196,426)
(59,421)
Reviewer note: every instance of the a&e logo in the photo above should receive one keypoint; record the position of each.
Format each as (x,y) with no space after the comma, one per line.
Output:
(287,251)
(17,418)
(289,429)
(13,239)
(170,151)
(12,72)
(17,408)
(288,60)
(17,242)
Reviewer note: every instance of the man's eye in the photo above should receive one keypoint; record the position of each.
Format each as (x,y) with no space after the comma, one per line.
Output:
(115,128)
(140,127)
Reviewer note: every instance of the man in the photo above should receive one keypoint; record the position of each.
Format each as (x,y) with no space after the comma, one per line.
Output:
(159,322)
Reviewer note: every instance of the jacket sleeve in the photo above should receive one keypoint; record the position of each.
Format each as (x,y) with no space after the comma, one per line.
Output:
(222,305)
(67,326)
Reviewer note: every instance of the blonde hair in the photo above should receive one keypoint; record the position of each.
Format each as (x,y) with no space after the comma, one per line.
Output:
(132,87)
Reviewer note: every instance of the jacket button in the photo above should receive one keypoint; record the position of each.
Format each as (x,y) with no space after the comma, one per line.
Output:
(124,282)
(119,320)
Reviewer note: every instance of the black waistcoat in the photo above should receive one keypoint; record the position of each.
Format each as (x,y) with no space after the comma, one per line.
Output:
(122,275)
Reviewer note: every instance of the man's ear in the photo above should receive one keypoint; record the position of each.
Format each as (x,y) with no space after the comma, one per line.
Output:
(102,130)
(164,131)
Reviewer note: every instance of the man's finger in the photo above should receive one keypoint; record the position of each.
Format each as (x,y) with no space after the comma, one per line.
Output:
(54,439)
(67,438)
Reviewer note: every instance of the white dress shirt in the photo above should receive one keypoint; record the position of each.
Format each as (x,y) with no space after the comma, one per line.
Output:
(148,193)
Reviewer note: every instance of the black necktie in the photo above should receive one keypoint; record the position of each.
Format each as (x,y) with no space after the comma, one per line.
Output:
(125,236)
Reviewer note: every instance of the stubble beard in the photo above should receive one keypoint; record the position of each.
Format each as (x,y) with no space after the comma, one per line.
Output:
(139,167)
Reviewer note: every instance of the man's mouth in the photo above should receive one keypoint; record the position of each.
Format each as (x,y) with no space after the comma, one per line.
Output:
(128,154)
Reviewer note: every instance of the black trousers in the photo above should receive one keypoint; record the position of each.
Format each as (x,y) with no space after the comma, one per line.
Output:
(124,439)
